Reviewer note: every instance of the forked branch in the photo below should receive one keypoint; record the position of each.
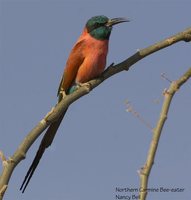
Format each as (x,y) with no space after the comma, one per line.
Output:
(168,96)
(20,153)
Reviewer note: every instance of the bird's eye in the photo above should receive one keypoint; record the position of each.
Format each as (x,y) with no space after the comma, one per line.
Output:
(96,25)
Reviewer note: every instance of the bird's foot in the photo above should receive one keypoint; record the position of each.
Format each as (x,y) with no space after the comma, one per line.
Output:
(82,84)
(87,86)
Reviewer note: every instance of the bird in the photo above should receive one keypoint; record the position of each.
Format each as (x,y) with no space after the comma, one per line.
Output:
(86,61)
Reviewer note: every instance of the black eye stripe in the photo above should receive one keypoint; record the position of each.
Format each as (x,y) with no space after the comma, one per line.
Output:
(95,25)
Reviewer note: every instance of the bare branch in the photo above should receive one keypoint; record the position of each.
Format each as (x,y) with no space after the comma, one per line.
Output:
(168,95)
(69,99)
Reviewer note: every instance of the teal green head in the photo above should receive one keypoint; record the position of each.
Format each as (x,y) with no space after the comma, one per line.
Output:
(100,27)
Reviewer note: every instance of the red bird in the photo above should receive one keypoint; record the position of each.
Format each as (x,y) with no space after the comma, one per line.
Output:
(86,61)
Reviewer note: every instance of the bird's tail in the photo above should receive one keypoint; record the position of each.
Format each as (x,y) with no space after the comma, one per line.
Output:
(45,143)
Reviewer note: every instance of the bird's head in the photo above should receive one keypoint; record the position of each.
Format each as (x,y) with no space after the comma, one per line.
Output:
(100,27)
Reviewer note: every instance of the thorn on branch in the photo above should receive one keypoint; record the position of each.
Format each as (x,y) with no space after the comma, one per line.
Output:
(112,64)
(163,75)
(109,67)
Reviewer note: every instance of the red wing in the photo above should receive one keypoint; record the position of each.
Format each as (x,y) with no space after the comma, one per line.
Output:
(73,63)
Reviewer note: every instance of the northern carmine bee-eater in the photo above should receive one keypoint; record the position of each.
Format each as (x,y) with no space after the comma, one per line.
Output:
(86,61)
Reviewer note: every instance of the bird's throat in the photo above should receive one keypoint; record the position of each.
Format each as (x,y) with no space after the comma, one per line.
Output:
(101,33)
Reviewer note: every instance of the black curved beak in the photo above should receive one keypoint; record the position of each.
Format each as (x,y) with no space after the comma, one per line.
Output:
(115,21)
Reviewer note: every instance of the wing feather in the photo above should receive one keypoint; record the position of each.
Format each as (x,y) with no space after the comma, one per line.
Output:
(73,63)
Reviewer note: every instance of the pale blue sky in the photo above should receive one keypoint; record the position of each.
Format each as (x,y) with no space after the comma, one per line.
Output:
(99,146)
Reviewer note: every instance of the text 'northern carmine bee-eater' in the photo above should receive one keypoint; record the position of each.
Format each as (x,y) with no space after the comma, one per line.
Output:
(86,61)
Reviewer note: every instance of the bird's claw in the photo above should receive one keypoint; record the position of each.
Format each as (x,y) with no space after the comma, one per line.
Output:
(87,86)
(112,64)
